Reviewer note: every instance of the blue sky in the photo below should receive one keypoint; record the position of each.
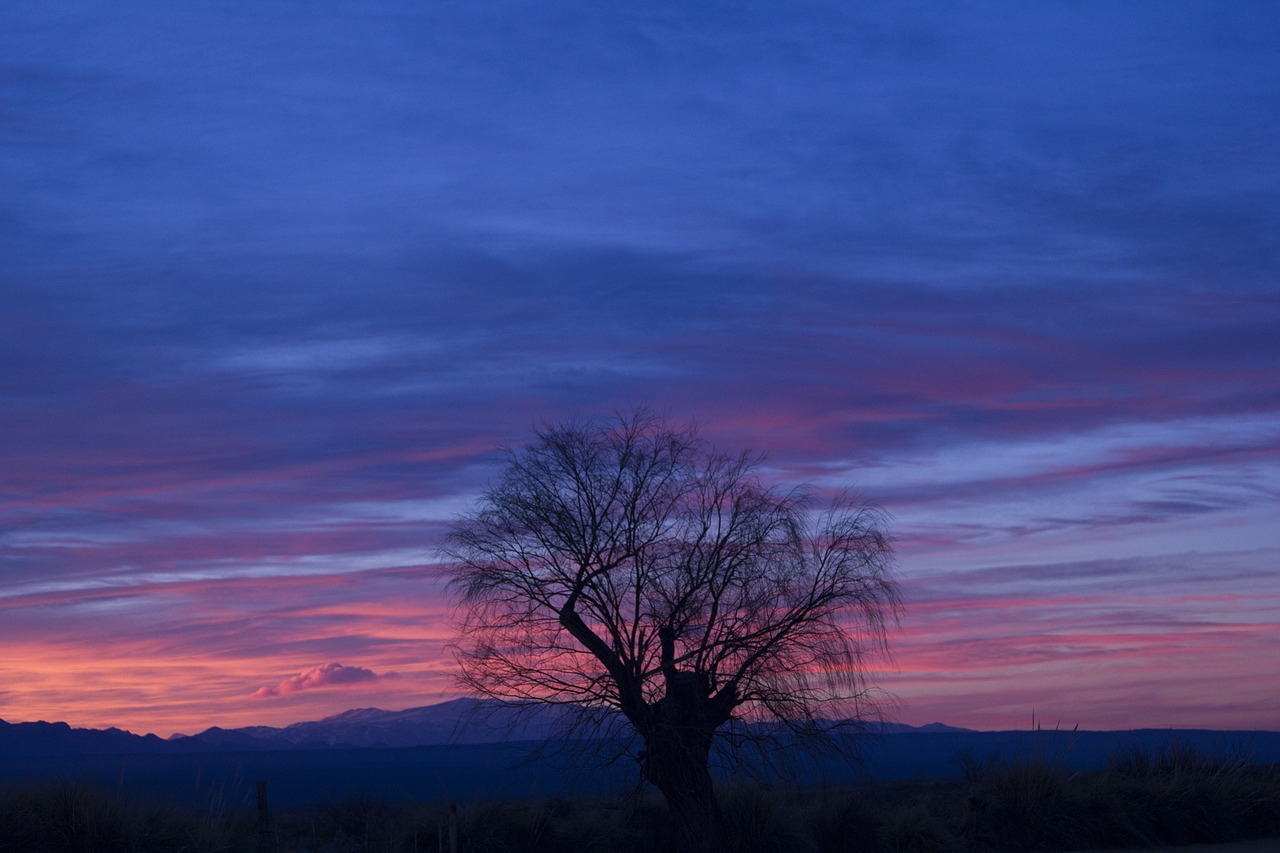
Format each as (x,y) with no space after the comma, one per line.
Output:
(276,278)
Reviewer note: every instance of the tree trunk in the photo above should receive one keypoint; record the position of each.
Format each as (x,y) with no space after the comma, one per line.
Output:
(678,735)
(676,763)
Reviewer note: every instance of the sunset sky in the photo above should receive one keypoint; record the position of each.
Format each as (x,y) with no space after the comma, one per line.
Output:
(276,278)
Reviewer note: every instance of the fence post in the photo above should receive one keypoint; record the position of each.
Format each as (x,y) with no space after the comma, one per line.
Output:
(265,840)
(453,828)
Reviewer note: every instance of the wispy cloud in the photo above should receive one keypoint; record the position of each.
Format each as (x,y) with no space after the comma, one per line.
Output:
(266,313)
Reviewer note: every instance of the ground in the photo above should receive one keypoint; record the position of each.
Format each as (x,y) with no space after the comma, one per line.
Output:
(1263,845)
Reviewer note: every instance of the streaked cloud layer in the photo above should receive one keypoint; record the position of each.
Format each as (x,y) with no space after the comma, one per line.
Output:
(275,281)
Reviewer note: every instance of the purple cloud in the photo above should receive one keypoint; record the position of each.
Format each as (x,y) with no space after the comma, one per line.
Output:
(329,675)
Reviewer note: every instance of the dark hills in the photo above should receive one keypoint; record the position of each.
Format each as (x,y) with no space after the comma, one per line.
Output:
(60,739)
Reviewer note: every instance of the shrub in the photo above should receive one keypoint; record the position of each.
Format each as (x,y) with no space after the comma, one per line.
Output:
(1029,805)
(1176,796)
(760,820)
(843,824)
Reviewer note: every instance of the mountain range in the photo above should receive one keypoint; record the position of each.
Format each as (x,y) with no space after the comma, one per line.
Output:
(458,721)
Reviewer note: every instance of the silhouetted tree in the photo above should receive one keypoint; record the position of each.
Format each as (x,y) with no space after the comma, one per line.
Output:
(626,565)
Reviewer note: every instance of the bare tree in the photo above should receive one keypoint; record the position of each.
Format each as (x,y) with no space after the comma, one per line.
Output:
(627,566)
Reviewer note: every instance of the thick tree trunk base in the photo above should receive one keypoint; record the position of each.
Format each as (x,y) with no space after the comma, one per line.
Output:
(683,777)
(699,823)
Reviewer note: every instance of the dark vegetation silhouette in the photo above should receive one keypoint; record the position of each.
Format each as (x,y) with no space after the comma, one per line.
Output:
(648,584)
(1172,796)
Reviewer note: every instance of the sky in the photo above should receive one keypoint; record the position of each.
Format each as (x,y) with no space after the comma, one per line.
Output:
(277,279)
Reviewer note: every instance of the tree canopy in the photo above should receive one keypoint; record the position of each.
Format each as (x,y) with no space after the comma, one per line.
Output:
(627,565)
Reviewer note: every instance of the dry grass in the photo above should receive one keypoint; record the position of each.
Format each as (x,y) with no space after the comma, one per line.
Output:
(76,818)
(1143,799)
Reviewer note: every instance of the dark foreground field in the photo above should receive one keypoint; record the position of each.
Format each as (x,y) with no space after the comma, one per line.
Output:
(1142,800)
(467,772)
(1258,845)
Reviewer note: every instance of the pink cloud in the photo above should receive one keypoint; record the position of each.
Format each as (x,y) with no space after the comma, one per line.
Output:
(329,675)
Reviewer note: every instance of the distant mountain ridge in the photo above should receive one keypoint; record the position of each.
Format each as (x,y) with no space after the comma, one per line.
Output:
(314,762)
(903,728)
(43,738)
(457,721)
(460,721)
